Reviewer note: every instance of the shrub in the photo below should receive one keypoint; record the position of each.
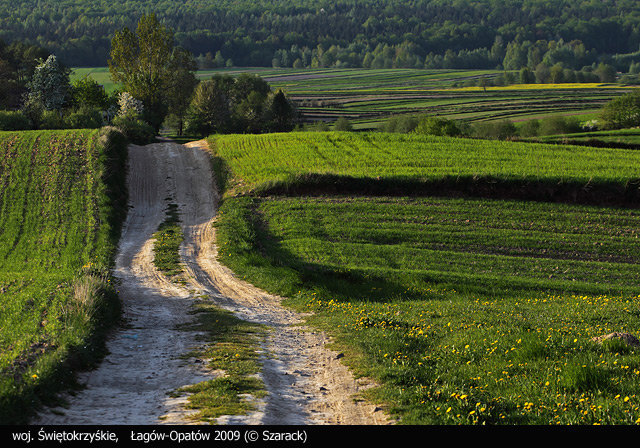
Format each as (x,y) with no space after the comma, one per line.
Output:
(84,119)
(402,124)
(343,124)
(52,119)
(500,130)
(622,112)
(559,125)
(438,126)
(530,128)
(135,130)
(13,121)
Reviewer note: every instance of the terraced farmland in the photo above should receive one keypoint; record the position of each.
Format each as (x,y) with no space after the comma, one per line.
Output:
(466,309)
(368,97)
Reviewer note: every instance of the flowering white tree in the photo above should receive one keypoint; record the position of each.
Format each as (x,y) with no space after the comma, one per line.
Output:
(129,106)
(49,85)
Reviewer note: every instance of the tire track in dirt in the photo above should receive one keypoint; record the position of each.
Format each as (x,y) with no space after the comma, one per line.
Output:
(307,383)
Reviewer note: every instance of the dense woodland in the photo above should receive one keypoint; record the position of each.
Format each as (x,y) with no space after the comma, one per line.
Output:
(510,34)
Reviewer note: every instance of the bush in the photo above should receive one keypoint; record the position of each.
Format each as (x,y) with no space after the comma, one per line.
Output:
(13,121)
(530,128)
(438,126)
(622,112)
(135,130)
(403,124)
(500,130)
(84,119)
(559,125)
(52,119)
(343,124)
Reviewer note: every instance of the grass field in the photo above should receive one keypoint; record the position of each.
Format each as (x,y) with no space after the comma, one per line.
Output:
(366,162)
(467,310)
(60,209)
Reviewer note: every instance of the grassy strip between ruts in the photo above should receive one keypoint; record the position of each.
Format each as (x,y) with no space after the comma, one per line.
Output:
(229,345)
(166,247)
(62,205)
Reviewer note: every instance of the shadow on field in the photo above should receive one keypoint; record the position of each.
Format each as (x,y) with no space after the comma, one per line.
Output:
(277,269)
(546,190)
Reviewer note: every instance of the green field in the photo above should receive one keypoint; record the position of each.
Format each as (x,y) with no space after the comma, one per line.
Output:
(60,208)
(281,162)
(368,97)
(467,310)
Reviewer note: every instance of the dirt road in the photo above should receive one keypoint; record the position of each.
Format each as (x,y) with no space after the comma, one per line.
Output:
(306,383)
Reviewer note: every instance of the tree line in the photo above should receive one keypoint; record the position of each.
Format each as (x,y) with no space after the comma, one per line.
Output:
(159,88)
(509,34)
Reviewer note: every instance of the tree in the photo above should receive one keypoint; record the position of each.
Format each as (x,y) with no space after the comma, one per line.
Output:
(150,66)
(87,93)
(606,73)
(49,86)
(180,97)
(622,112)
(526,77)
(209,111)
(281,114)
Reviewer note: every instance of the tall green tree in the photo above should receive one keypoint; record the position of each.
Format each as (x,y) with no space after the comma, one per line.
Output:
(87,93)
(150,66)
(210,108)
(281,115)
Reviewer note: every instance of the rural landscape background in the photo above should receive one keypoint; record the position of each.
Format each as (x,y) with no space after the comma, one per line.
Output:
(377,212)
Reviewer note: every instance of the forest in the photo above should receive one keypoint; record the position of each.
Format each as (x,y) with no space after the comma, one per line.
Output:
(510,34)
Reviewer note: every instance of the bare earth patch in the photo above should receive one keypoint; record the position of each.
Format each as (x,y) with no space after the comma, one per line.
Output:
(306,383)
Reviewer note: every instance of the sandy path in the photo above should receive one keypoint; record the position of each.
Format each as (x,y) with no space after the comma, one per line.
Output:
(307,384)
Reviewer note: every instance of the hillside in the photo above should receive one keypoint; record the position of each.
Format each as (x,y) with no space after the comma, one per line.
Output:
(413,164)
(61,207)
(462,34)
(467,303)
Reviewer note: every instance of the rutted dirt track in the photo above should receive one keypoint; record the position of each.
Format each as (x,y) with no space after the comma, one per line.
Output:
(306,383)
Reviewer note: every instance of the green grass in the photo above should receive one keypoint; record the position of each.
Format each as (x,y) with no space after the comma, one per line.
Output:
(61,205)
(492,318)
(231,348)
(466,310)
(619,137)
(416,164)
(166,248)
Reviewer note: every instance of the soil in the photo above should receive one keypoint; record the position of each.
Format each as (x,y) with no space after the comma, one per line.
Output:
(306,382)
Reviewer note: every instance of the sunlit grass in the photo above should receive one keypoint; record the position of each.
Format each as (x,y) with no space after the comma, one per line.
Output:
(61,203)
(474,351)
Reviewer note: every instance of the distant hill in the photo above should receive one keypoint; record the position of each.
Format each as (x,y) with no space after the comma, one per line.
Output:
(375,33)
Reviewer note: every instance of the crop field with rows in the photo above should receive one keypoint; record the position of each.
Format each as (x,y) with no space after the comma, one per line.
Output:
(58,230)
(260,161)
(467,310)
(368,97)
